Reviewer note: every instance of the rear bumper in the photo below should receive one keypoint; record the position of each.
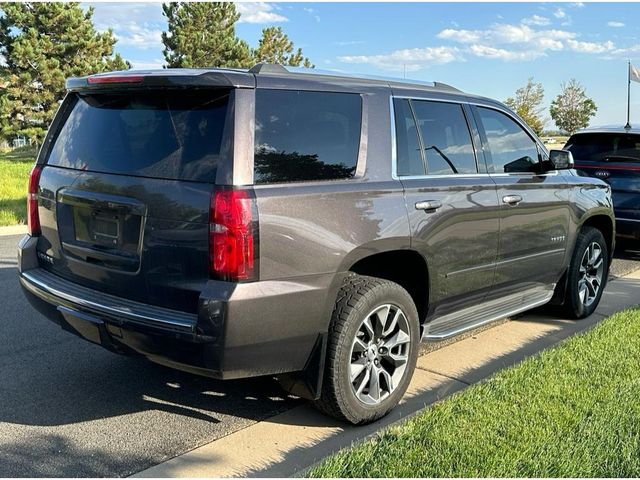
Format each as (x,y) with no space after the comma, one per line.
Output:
(241,330)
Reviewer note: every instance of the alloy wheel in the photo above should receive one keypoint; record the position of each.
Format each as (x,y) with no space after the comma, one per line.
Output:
(591,274)
(379,354)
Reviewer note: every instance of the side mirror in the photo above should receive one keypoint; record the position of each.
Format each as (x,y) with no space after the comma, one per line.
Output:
(561,159)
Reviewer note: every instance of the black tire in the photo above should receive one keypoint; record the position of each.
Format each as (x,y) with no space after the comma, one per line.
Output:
(574,306)
(358,297)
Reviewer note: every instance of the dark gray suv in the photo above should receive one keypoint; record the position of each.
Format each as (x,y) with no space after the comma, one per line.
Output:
(303,225)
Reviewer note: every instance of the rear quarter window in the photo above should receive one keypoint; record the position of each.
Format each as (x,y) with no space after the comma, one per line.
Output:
(303,136)
(160,134)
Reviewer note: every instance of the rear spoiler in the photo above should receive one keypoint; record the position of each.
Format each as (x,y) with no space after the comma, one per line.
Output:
(165,78)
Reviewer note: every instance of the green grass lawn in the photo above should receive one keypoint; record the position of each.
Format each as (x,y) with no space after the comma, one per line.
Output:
(572,411)
(14,176)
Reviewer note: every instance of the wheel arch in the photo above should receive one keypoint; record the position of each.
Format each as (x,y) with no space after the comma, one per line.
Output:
(390,264)
(406,267)
(606,225)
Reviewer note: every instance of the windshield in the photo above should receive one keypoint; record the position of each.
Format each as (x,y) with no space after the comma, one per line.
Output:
(161,134)
(605,147)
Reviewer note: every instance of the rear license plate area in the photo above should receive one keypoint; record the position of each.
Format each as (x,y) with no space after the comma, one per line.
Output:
(101,235)
(105,228)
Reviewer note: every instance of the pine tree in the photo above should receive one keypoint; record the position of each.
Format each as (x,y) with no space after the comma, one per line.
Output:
(203,35)
(43,44)
(572,109)
(528,104)
(275,47)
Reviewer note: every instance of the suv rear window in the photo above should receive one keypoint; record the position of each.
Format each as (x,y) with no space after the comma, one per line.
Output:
(600,147)
(306,135)
(161,134)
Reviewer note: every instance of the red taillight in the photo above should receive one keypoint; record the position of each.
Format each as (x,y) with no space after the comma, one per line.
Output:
(33,219)
(231,235)
(115,79)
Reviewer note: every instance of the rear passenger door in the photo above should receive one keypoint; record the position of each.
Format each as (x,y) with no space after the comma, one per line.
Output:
(534,205)
(452,203)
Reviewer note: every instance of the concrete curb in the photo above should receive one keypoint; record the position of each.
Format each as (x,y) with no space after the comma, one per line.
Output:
(13,230)
(289,443)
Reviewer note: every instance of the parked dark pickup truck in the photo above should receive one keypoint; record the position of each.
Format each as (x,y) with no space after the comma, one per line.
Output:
(309,226)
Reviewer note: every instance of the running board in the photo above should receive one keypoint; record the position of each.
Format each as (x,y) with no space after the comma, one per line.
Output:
(472,317)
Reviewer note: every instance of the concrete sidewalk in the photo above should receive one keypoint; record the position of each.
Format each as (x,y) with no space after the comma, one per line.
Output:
(289,443)
(13,230)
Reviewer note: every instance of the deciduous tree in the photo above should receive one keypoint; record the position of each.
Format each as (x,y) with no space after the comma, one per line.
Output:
(43,44)
(527,103)
(572,109)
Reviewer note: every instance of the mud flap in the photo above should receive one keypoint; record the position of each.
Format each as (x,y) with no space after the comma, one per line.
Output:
(307,383)
(559,292)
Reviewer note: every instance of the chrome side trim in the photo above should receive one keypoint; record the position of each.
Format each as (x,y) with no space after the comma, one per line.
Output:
(531,255)
(363,145)
(627,219)
(50,288)
(477,175)
(509,260)
(471,269)
(394,140)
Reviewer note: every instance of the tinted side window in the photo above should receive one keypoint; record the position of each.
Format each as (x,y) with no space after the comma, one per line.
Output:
(409,159)
(306,135)
(446,138)
(510,148)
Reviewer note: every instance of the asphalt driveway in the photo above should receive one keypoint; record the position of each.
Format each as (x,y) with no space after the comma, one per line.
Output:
(70,408)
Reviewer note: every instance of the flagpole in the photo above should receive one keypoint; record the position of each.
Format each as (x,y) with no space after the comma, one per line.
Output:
(628,125)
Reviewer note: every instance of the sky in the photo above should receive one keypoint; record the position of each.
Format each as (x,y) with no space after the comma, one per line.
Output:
(490,49)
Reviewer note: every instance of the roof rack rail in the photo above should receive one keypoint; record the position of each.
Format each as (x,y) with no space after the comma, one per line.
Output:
(269,68)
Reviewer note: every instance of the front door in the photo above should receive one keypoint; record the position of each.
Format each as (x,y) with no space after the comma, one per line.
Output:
(534,217)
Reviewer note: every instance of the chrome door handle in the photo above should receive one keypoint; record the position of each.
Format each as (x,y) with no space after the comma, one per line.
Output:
(511,199)
(428,205)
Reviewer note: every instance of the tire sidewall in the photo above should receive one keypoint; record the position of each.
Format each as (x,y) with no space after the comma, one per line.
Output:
(577,309)
(385,293)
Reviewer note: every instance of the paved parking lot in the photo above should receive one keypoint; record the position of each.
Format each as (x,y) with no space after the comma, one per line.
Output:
(69,408)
